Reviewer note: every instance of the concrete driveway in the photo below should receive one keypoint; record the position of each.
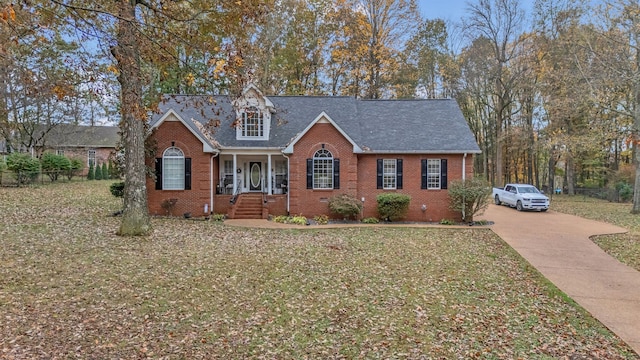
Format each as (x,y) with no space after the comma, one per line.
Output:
(558,245)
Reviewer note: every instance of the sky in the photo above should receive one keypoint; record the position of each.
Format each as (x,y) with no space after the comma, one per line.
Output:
(454,9)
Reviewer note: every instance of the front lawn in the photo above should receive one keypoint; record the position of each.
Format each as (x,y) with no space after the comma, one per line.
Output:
(70,288)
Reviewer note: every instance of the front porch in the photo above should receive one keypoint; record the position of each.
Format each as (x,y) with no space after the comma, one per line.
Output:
(252,185)
(243,173)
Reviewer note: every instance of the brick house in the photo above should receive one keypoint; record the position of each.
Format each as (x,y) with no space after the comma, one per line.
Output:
(256,156)
(91,144)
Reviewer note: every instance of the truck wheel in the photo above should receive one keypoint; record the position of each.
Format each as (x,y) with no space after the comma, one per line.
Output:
(519,205)
(497,200)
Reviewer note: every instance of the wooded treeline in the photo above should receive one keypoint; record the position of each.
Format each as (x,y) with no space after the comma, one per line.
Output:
(552,95)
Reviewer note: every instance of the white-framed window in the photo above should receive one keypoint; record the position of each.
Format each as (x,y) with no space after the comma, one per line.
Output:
(389,173)
(60,152)
(323,169)
(173,169)
(228,167)
(91,157)
(252,123)
(433,173)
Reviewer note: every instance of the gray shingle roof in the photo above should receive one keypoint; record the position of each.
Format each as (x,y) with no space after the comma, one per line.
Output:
(66,135)
(421,126)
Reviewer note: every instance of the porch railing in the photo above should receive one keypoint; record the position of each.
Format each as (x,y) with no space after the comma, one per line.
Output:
(236,192)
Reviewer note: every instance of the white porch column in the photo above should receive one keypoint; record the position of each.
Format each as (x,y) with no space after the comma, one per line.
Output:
(235,173)
(269,175)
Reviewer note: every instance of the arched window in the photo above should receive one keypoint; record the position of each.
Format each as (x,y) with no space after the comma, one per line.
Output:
(252,122)
(173,169)
(323,169)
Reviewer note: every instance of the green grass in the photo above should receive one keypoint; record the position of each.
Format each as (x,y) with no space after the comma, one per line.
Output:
(70,288)
(625,247)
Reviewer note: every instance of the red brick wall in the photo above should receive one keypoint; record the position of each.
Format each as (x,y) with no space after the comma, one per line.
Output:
(188,200)
(309,202)
(357,177)
(437,201)
(102,156)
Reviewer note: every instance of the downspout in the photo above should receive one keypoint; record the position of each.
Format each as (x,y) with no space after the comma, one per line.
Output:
(288,180)
(464,166)
(464,177)
(211,207)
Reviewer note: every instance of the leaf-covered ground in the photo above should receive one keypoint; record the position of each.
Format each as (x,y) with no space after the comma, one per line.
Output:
(624,247)
(70,288)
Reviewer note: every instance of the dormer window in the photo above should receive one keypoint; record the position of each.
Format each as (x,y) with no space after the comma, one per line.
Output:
(253,115)
(252,123)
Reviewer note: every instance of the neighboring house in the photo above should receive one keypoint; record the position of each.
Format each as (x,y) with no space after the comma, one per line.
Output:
(256,155)
(91,144)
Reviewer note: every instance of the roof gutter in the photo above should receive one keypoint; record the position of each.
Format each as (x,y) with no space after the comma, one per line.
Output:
(430,152)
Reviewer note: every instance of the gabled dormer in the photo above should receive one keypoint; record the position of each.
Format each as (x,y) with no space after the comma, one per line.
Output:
(253,114)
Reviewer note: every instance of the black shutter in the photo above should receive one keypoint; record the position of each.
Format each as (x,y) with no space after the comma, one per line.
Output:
(336,173)
(309,173)
(443,174)
(158,173)
(379,173)
(187,173)
(399,174)
(423,167)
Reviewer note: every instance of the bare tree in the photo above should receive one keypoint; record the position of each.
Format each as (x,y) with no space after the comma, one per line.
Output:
(501,22)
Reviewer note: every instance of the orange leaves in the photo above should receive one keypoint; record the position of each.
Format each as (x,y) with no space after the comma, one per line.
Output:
(113,69)
(8,13)
(190,79)
(60,92)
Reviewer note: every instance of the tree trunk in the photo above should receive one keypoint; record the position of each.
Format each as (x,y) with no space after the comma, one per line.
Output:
(636,126)
(571,176)
(135,215)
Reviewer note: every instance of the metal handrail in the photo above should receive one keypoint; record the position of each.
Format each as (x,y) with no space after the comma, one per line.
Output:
(236,193)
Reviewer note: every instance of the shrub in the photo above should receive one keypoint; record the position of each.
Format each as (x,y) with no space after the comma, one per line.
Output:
(447,222)
(91,173)
(370,220)
(76,166)
(346,205)
(117,189)
(24,166)
(321,219)
(470,197)
(298,220)
(105,172)
(281,219)
(218,217)
(392,206)
(168,205)
(98,173)
(625,191)
(54,165)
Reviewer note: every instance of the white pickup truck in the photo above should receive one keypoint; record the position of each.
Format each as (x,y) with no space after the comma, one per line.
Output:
(521,196)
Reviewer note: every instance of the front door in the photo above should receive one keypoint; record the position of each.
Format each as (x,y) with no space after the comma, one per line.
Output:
(255,176)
